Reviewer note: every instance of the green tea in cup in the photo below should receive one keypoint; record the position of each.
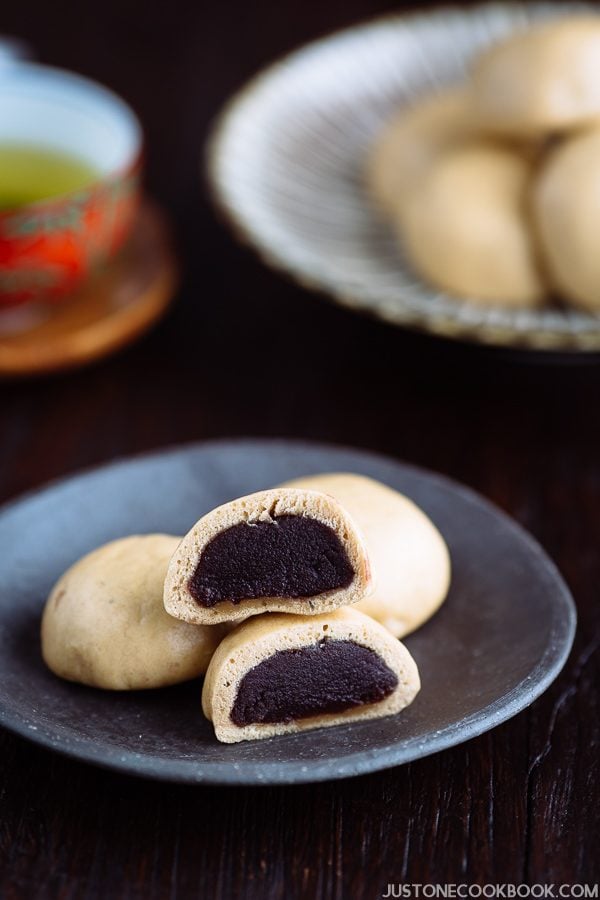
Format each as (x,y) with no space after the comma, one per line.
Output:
(70,161)
(29,173)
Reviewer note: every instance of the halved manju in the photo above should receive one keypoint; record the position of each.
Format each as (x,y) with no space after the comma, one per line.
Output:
(277,674)
(282,550)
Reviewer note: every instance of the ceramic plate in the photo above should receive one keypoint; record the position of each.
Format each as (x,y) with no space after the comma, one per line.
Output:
(496,644)
(288,155)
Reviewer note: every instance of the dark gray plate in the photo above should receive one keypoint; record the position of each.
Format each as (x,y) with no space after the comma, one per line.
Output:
(498,642)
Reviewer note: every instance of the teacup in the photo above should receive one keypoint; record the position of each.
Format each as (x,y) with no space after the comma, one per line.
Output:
(48,246)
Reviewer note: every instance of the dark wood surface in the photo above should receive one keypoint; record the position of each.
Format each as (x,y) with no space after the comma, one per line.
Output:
(246,353)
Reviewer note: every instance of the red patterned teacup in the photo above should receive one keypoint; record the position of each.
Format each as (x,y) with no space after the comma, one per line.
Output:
(48,247)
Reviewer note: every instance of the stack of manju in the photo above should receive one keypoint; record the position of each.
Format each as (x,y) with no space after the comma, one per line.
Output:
(291,601)
(492,185)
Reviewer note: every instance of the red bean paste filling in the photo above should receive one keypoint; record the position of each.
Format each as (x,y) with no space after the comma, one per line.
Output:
(290,556)
(328,677)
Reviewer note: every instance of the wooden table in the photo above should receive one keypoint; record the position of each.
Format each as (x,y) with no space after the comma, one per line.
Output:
(520,804)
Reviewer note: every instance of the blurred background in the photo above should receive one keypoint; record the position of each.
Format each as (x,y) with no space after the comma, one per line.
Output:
(243,350)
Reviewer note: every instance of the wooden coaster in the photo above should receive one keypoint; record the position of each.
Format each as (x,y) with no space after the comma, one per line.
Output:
(113,308)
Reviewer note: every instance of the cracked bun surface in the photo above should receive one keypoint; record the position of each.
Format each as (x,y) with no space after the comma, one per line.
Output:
(409,557)
(282,673)
(284,549)
(105,624)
